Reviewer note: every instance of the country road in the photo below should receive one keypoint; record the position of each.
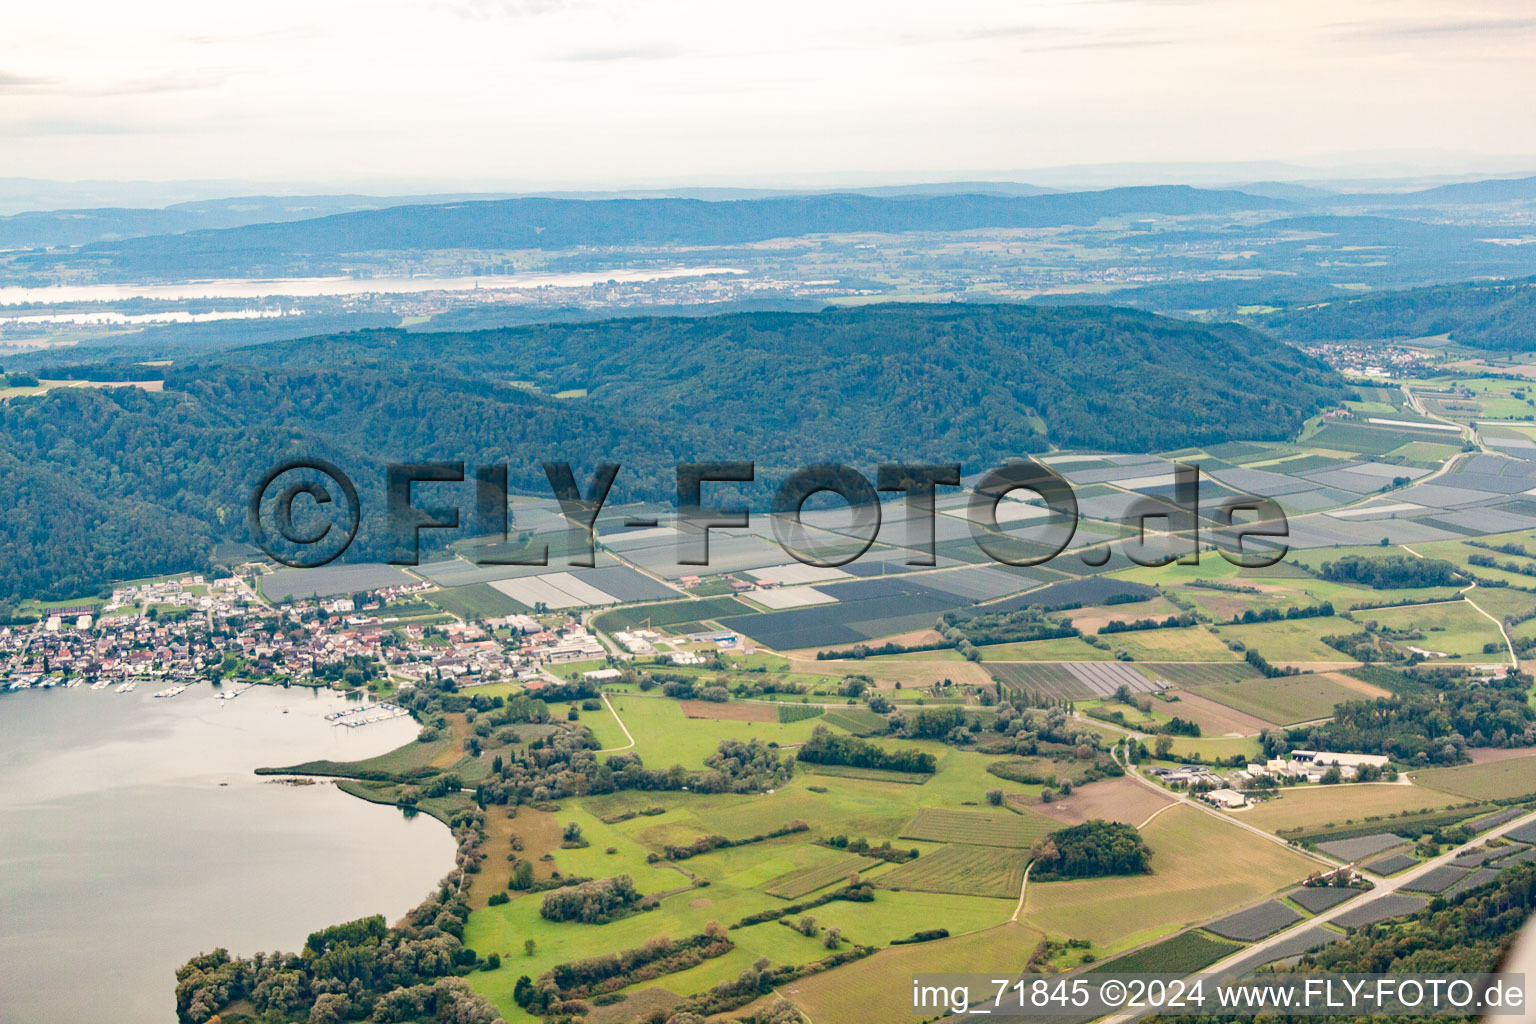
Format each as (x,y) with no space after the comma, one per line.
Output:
(1384,887)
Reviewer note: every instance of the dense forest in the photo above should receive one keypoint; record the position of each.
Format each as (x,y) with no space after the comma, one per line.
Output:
(115,483)
(1480,314)
(1390,572)
(827,747)
(1091,850)
(1430,727)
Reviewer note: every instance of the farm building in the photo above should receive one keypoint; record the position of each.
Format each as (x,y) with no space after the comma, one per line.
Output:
(1326,758)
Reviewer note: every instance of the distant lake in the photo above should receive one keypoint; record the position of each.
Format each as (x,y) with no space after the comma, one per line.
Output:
(134,836)
(252,288)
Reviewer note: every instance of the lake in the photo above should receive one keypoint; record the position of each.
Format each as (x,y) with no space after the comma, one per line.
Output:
(134,835)
(252,288)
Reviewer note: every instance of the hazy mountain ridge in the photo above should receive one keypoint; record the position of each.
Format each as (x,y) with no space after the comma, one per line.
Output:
(566,223)
(1480,314)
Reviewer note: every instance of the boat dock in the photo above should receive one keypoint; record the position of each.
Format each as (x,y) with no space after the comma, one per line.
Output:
(366,715)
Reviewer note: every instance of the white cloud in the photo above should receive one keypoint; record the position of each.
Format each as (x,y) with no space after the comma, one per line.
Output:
(544,93)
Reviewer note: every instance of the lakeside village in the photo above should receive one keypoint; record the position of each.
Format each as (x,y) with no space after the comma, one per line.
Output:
(171,633)
(175,632)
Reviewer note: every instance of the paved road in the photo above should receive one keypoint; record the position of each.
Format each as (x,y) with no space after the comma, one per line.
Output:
(1384,887)
(1230,819)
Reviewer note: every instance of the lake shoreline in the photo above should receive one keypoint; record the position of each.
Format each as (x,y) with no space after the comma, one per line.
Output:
(139,835)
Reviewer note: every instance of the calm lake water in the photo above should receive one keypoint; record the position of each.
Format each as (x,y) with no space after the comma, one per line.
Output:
(133,836)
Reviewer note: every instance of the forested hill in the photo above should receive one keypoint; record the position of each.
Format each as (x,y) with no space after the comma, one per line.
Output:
(949,381)
(567,223)
(1480,314)
(119,483)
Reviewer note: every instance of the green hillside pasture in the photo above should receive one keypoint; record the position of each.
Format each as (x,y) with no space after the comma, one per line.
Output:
(665,736)
(1454,628)
(1283,701)
(962,870)
(504,929)
(858,808)
(1188,644)
(1492,780)
(1292,639)
(844,771)
(794,884)
(979,828)
(605,728)
(875,988)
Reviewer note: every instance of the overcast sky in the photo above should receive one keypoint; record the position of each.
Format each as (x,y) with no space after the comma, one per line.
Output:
(508,94)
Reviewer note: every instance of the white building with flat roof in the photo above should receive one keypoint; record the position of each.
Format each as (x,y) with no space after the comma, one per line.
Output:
(1325,758)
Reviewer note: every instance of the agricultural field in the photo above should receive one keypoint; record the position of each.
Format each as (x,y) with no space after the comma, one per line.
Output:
(788,713)
(1091,619)
(963,870)
(857,720)
(1391,865)
(1454,628)
(1185,953)
(1194,643)
(1321,806)
(865,991)
(1255,923)
(1292,640)
(1123,799)
(1318,898)
(973,856)
(475,601)
(1214,719)
(842,771)
(1362,847)
(1383,908)
(979,828)
(1044,679)
(667,613)
(1285,700)
(731,711)
(331,579)
(1069,648)
(1507,779)
(1201,866)
(794,884)
(1191,676)
(665,735)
